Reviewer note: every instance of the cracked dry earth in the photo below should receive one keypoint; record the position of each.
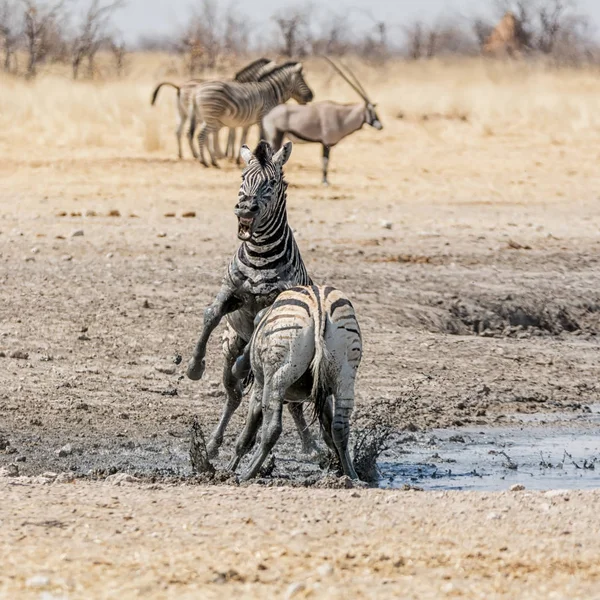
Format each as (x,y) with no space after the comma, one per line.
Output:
(473,266)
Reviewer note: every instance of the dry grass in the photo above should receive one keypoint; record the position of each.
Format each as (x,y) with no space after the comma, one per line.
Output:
(54,114)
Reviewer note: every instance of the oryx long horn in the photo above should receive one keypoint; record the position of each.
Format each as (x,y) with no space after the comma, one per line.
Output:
(356,81)
(348,81)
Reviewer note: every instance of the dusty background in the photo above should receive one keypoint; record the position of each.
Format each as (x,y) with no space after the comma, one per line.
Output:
(476,209)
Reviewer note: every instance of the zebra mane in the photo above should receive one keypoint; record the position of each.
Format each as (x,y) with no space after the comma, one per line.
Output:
(263,153)
(277,69)
(259,62)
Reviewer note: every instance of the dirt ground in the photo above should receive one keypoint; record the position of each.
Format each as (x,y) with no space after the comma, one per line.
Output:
(472,259)
(84,540)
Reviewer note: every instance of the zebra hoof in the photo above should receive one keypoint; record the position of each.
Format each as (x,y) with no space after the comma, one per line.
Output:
(195,369)
(212,448)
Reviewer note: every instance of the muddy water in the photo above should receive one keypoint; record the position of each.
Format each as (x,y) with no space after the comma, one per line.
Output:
(539,452)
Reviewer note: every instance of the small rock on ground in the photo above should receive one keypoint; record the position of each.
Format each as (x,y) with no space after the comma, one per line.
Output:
(121,479)
(517,487)
(9,471)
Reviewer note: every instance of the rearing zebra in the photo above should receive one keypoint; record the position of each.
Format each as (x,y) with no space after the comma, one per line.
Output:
(230,104)
(267,262)
(250,72)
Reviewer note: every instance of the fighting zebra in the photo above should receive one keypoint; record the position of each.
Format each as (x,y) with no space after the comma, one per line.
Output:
(267,262)
(231,104)
(305,347)
(185,91)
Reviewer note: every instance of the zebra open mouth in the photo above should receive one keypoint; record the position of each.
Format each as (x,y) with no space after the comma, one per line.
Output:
(245,228)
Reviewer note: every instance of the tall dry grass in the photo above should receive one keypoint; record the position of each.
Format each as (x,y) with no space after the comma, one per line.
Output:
(55,116)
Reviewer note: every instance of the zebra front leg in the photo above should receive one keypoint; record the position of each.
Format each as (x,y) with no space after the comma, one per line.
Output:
(325,163)
(248,436)
(230,150)
(217,145)
(224,303)
(232,348)
(308,442)
(271,430)
(242,142)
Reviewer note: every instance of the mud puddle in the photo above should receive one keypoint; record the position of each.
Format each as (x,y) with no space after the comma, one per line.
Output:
(542,452)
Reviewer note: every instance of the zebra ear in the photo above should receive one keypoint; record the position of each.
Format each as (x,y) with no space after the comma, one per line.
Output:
(298,67)
(246,153)
(282,156)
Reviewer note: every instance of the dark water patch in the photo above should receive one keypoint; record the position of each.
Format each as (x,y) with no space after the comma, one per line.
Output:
(564,455)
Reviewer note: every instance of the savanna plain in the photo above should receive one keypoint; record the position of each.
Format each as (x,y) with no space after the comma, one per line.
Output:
(466,233)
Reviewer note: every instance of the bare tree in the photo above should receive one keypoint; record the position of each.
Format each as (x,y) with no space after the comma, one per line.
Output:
(333,37)
(415,36)
(551,27)
(294,30)
(202,42)
(92,34)
(42,28)
(10,29)
(119,52)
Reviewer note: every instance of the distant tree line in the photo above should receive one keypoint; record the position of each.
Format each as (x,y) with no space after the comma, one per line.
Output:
(53,32)
(36,32)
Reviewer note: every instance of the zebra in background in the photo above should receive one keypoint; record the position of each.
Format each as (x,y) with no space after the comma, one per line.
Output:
(250,72)
(231,104)
(267,262)
(306,346)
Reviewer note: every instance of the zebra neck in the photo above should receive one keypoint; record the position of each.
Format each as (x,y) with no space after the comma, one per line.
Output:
(277,92)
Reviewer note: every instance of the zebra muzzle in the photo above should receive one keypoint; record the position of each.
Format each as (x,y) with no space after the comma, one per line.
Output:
(245,226)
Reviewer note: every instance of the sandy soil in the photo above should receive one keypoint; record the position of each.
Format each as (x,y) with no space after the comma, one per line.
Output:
(87,540)
(438,230)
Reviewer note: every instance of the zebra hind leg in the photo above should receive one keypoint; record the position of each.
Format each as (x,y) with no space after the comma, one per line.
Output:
(248,436)
(308,441)
(232,348)
(340,428)
(271,430)
(202,138)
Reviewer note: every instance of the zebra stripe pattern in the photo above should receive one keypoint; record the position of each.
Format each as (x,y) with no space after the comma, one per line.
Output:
(306,346)
(231,104)
(269,252)
(267,262)
(185,94)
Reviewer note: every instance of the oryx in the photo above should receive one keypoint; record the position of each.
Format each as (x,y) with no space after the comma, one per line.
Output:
(325,123)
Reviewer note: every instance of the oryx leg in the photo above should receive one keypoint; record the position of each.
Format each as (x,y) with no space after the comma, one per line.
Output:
(233,346)
(224,303)
(325,163)
(248,436)
(277,140)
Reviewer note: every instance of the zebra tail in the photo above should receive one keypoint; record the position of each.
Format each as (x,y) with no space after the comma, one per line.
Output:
(157,89)
(320,367)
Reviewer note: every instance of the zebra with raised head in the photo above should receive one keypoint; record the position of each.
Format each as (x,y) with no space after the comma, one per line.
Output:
(267,262)
(306,347)
(250,72)
(230,104)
